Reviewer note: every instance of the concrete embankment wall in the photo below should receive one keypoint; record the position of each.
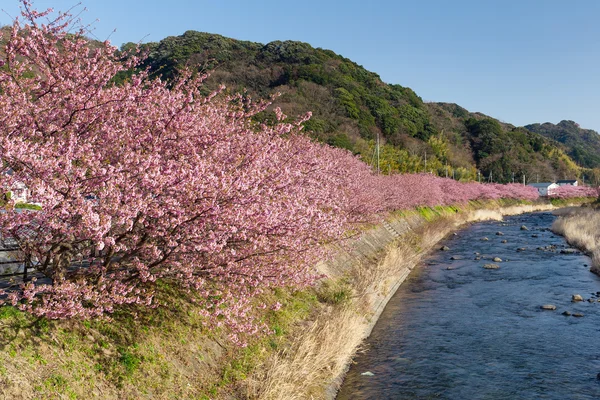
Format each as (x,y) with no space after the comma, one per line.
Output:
(373,266)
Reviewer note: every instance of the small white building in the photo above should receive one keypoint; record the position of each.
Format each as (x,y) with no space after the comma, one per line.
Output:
(544,188)
(567,182)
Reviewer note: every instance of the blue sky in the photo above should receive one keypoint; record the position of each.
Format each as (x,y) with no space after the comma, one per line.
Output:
(519,61)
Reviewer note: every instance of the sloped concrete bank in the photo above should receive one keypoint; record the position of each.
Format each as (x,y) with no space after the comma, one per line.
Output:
(372,268)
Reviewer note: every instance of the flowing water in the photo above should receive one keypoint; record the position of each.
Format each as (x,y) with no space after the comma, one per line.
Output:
(455,330)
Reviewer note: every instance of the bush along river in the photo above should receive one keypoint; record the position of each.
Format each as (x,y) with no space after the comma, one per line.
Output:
(470,324)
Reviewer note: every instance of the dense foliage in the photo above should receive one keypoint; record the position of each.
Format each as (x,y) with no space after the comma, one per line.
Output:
(511,154)
(583,144)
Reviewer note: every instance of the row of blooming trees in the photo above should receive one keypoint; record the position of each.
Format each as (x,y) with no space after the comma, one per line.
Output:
(570,192)
(151,180)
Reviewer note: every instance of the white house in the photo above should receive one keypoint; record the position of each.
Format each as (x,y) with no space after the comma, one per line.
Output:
(544,188)
(567,182)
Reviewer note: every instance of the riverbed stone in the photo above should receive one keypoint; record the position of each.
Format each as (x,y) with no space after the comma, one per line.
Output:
(576,297)
(368,373)
(551,307)
(499,234)
(504,241)
(478,258)
(445,248)
(568,251)
(520,249)
(497,259)
(578,315)
(534,235)
(456,258)
(524,228)
(491,266)
(485,239)
(566,313)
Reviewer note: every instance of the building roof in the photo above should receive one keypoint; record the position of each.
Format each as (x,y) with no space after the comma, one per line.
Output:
(542,184)
(567,181)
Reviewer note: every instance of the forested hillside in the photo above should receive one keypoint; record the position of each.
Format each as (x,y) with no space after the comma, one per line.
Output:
(583,145)
(352,106)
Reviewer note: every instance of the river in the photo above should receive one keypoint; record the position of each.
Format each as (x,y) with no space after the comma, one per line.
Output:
(455,330)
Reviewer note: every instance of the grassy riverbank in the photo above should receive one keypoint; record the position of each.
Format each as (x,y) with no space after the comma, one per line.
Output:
(581,228)
(169,353)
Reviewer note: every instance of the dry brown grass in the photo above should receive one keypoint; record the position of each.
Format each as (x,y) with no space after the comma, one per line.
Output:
(304,371)
(581,228)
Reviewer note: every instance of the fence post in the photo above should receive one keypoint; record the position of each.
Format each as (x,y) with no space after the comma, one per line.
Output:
(26,264)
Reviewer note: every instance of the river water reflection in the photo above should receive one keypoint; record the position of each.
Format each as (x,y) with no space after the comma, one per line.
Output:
(455,330)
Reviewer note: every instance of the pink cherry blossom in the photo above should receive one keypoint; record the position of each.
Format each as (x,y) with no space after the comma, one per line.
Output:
(569,192)
(150,180)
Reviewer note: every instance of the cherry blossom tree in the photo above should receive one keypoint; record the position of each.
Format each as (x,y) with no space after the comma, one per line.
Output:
(149,180)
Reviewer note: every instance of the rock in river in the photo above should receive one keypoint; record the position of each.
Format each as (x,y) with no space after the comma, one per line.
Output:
(499,234)
(497,259)
(566,313)
(579,315)
(548,307)
(577,297)
(445,248)
(524,228)
(491,266)
(521,249)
